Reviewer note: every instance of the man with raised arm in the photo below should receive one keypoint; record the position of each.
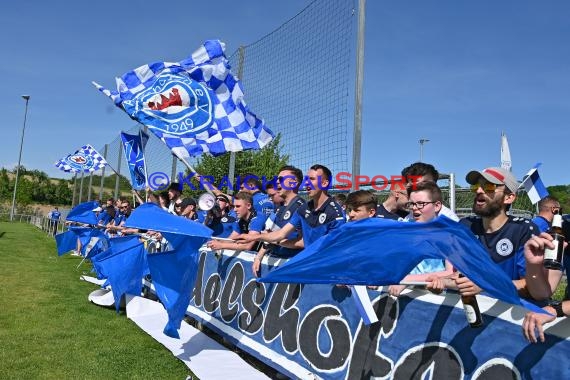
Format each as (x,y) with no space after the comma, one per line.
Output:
(248,224)
(316,218)
(288,182)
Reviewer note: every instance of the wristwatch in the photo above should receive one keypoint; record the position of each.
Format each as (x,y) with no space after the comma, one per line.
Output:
(557,306)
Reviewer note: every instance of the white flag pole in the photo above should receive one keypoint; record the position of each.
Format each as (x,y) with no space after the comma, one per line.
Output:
(145,169)
(192,169)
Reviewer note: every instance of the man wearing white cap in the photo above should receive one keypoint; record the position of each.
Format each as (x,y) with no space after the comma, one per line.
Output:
(503,235)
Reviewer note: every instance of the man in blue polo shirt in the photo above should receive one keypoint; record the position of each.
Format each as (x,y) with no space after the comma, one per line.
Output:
(54,217)
(260,201)
(503,235)
(247,224)
(316,218)
(547,208)
(287,186)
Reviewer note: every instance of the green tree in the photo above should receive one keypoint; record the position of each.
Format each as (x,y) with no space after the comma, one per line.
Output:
(562,192)
(62,193)
(5,185)
(24,192)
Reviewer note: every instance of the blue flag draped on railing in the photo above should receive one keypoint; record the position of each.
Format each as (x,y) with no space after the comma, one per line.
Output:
(124,265)
(83,213)
(173,272)
(533,185)
(133,146)
(195,105)
(97,242)
(375,251)
(93,241)
(86,159)
(67,241)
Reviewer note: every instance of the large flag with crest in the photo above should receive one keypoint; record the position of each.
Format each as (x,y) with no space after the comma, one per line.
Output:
(195,105)
(85,159)
(133,146)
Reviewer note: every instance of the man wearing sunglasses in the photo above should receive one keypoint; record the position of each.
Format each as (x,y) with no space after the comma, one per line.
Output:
(503,235)
(118,224)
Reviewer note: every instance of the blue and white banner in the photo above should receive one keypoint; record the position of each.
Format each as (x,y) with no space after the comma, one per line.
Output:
(315,330)
(86,159)
(133,146)
(533,185)
(195,105)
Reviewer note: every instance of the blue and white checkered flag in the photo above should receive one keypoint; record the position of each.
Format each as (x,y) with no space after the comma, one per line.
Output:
(533,185)
(195,106)
(85,159)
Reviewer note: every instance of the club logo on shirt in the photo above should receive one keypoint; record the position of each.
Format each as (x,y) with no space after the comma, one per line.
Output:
(224,219)
(322,218)
(287,215)
(504,247)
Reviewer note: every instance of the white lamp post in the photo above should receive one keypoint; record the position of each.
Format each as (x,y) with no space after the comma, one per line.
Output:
(422,142)
(27,99)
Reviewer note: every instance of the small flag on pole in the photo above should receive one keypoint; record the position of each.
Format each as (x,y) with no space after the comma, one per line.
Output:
(133,146)
(195,105)
(533,185)
(86,159)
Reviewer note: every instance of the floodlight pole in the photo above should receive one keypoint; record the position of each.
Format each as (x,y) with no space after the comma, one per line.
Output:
(27,99)
(358,90)
(422,142)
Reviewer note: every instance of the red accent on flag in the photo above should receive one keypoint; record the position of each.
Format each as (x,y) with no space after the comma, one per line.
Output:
(172,100)
(495,174)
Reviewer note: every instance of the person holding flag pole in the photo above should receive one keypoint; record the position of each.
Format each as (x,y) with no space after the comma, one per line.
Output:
(133,147)
(147,188)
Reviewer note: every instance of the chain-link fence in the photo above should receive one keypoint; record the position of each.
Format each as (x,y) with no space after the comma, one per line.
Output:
(42,222)
(299,78)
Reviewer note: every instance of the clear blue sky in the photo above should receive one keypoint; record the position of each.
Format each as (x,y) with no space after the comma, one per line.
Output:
(456,72)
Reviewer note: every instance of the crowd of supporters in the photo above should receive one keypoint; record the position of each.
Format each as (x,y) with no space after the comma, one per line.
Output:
(277,221)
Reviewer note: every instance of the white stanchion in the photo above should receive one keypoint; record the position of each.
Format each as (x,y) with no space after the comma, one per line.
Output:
(102,297)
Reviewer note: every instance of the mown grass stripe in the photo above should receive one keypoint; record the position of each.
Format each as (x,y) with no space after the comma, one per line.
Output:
(48,328)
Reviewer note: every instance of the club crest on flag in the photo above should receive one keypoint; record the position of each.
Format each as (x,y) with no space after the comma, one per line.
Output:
(174,104)
(78,160)
(85,159)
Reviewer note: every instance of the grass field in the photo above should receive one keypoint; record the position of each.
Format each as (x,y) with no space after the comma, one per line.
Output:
(48,328)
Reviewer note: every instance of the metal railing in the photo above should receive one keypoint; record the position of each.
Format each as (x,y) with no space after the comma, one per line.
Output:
(41,222)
